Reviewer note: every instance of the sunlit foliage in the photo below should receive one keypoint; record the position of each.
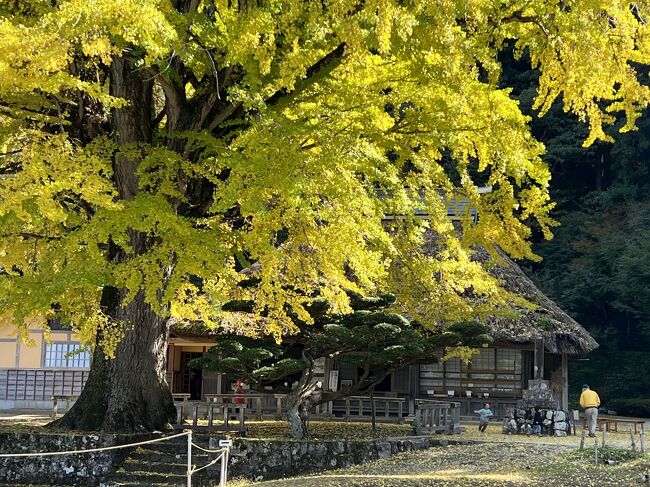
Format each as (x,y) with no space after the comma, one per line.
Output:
(278,126)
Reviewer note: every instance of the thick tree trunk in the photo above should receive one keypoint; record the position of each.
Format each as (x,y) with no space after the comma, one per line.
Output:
(130,392)
(298,420)
(304,397)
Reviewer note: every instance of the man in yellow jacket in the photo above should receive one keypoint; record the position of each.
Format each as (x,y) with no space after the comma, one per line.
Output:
(589,401)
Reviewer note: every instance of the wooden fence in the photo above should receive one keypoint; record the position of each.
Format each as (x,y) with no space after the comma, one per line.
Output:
(430,416)
(352,408)
(40,384)
(436,416)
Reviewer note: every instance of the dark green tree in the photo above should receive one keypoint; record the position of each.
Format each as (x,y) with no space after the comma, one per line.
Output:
(373,338)
(598,264)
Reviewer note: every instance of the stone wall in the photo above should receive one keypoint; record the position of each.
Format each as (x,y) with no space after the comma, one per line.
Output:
(273,459)
(81,469)
(253,459)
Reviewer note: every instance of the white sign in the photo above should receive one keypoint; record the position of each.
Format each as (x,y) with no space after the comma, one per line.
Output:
(225,443)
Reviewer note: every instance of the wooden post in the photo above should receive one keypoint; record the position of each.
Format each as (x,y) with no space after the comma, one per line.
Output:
(642,441)
(604,432)
(189,458)
(596,448)
(278,406)
(170,366)
(195,415)
(582,441)
(565,382)
(373,410)
(414,371)
(539,358)
(633,443)
(258,405)
(55,406)
(223,477)
(210,414)
(179,414)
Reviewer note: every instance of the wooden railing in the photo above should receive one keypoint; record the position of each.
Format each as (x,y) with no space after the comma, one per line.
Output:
(258,405)
(234,415)
(436,416)
(359,408)
(352,408)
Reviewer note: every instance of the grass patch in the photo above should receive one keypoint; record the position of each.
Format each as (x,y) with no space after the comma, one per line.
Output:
(616,455)
(326,430)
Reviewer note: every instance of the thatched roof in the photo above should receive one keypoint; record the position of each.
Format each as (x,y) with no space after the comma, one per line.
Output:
(561,333)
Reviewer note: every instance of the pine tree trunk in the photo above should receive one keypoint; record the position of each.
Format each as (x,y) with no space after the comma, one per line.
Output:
(130,392)
(298,420)
(304,397)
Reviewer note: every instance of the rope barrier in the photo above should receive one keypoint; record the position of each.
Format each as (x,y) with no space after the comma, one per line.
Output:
(91,450)
(220,450)
(222,454)
(219,457)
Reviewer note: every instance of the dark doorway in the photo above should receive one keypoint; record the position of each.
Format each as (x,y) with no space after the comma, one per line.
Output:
(385,385)
(191,378)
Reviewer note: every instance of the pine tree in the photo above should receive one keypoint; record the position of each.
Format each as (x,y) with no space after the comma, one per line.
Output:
(373,338)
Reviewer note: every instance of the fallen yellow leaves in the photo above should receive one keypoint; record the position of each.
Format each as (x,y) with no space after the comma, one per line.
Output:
(484,465)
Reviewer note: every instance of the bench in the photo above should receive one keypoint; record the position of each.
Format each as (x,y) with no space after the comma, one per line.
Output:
(55,403)
(611,424)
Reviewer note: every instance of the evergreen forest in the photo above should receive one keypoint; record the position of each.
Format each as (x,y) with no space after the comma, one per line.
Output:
(597,266)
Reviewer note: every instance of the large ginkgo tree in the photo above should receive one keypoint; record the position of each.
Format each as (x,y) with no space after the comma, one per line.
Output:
(150,149)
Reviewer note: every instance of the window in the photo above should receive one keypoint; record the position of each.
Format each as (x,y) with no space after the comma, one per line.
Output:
(508,359)
(60,355)
(431,377)
(452,373)
(483,360)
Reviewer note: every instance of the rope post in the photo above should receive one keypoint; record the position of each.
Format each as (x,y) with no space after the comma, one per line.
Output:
(189,458)
(224,467)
